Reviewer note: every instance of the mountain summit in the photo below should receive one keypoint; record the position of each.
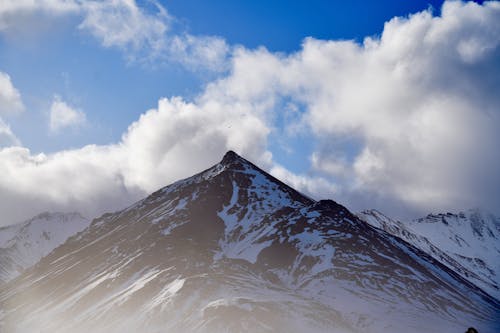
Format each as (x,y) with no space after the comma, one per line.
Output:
(233,249)
(231,157)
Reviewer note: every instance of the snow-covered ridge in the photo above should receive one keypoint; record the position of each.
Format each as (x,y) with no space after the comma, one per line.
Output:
(255,198)
(232,249)
(467,242)
(24,244)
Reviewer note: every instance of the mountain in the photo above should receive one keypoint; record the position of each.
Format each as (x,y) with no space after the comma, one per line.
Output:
(467,242)
(23,245)
(233,249)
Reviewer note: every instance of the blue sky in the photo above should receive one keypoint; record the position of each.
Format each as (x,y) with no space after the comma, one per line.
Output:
(71,63)
(309,90)
(282,25)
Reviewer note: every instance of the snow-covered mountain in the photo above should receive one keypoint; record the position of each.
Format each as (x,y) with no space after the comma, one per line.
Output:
(467,242)
(233,249)
(23,245)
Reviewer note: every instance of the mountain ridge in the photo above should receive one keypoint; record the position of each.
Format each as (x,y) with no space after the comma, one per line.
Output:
(466,242)
(24,244)
(233,249)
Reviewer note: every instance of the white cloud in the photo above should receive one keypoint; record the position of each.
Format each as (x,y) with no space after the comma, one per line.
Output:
(10,104)
(62,115)
(180,138)
(21,20)
(145,36)
(419,107)
(423,106)
(11,10)
(173,141)
(10,98)
(313,186)
(86,179)
(200,52)
(52,6)
(122,24)
(7,138)
(149,36)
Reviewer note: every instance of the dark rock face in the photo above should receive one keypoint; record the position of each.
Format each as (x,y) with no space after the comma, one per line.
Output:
(233,249)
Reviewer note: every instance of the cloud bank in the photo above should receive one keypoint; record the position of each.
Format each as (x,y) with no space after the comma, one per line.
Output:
(405,122)
(173,141)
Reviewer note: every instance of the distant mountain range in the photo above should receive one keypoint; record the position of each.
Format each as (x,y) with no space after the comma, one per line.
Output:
(232,249)
(467,242)
(23,245)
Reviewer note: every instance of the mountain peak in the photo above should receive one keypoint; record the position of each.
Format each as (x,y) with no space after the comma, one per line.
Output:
(231,157)
(234,162)
(261,247)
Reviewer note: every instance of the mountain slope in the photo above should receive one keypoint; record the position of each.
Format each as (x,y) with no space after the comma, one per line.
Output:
(233,249)
(24,244)
(469,242)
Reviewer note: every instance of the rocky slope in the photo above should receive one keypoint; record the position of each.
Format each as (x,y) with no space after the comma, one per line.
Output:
(233,249)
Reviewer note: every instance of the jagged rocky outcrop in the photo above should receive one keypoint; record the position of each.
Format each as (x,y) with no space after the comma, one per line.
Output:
(233,249)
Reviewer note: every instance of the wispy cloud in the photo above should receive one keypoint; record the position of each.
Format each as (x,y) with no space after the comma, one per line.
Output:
(122,24)
(10,104)
(12,10)
(10,98)
(63,115)
(7,138)
(144,36)
(200,52)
